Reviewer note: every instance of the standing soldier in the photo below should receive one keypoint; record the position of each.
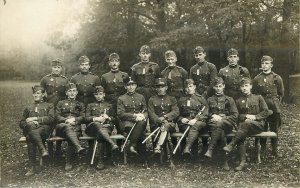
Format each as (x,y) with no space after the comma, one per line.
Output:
(253,110)
(132,112)
(163,111)
(144,73)
(223,115)
(100,116)
(175,75)
(113,82)
(203,73)
(85,81)
(55,83)
(70,114)
(232,74)
(36,124)
(270,86)
(191,114)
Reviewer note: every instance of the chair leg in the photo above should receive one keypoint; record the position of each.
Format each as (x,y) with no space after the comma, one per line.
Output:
(258,149)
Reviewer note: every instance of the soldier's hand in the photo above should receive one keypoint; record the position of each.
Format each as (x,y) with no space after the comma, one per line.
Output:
(184,120)
(162,128)
(192,122)
(30,119)
(251,117)
(161,119)
(70,121)
(216,118)
(100,119)
(105,116)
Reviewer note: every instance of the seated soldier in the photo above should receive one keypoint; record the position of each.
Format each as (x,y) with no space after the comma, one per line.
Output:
(70,115)
(100,116)
(252,112)
(163,110)
(132,112)
(222,117)
(35,123)
(193,112)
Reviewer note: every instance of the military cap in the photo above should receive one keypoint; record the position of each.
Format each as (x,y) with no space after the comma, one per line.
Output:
(56,62)
(128,81)
(114,56)
(217,80)
(189,82)
(198,50)
(70,86)
(232,51)
(266,58)
(98,89)
(145,48)
(245,80)
(36,88)
(170,53)
(83,59)
(160,82)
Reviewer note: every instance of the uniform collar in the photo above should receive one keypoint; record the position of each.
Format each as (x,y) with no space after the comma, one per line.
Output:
(55,75)
(114,71)
(130,93)
(233,66)
(267,73)
(201,63)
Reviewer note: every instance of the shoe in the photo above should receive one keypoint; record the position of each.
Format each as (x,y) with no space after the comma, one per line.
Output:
(226,166)
(132,150)
(30,172)
(100,166)
(228,148)
(45,153)
(240,167)
(68,166)
(114,147)
(157,150)
(208,153)
(80,150)
(187,151)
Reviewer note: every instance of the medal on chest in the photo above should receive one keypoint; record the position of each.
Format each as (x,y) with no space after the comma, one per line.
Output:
(144,70)
(170,75)
(35,109)
(188,103)
(51,79)
(198,72)
(265,80)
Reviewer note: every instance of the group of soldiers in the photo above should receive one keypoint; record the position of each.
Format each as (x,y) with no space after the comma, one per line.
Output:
(200,101)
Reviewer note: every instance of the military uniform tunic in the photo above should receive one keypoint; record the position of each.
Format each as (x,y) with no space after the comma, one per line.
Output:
(55,86)
(113,84)
(190,107)
(203,74)
(162,106)
(85,83)
(175,79)
(232,77)
(145,74)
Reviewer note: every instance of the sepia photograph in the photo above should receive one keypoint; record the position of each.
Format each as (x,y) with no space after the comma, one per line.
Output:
(149,93)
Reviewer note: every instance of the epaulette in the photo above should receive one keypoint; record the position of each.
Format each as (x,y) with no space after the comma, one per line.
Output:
(180,67)
(92,73)
(64,76)
(153,63)
(48,75)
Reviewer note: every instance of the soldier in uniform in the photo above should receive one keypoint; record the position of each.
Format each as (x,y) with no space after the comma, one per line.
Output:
(85,81)
(253,110)
(163,111)
(144,73)
(36,121)
(55,83)
(232,74)
(270,86)
(70,114)
(100,116)
(203,73)
(113,82)
(132,111)
(223,115)
(193,112)
(175,75)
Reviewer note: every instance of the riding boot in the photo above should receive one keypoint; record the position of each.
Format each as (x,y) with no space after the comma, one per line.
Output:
(215,136)
(240,135)
(242,152)
(274,144)
(105,136)
(193,135)
(69,153)
(100,164)
(263,144)
(36,138)
(71,135)
(31,155)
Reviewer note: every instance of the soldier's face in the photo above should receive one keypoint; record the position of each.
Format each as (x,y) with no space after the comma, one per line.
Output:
(99,96)
(266,65)
(131,88)
(171,61)
(72,93)
(84,67)
(233,60)
(219,89)
(114,64)
(38,96)
(246,89)
(190,89)
(200,57)
(145,57)
(56,69)
(161,90)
